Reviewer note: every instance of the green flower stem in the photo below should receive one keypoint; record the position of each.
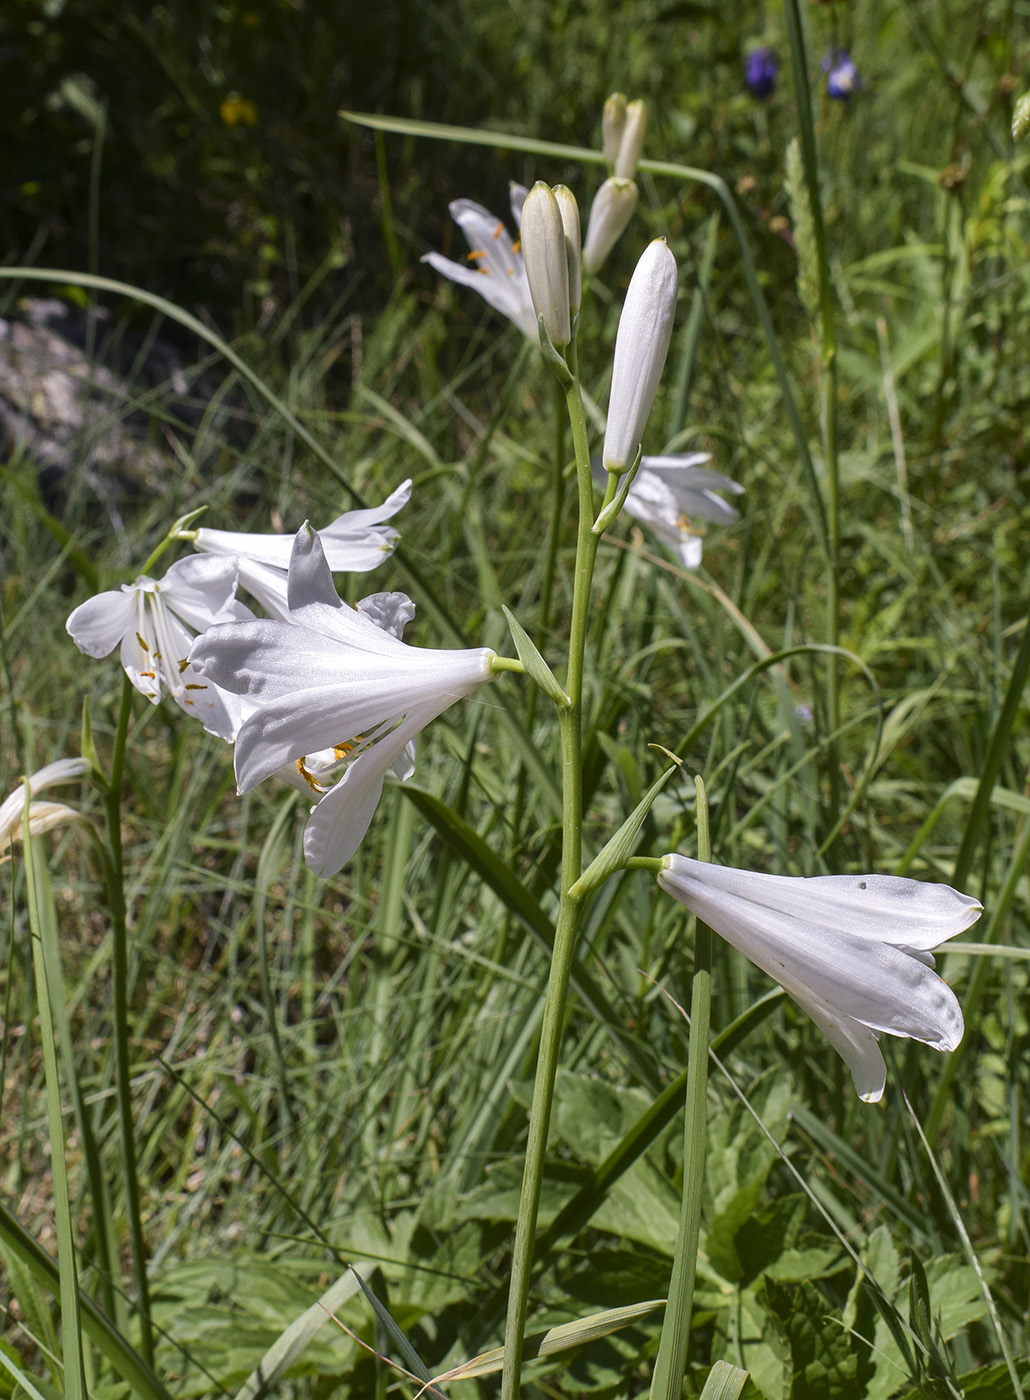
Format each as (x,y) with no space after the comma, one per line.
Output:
(828,390)
(570,726)
(667,1382)
(120,982)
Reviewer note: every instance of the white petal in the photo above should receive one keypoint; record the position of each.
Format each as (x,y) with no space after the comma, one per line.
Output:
(504,286)
(63,770)
(201,590)
(352,703)
(141,652)
(877,908)
(855,1044)
(267,584)
(391,612)
(690,552)
(807,941)
(340,819)
(353,542)
(310,577)
(98,625)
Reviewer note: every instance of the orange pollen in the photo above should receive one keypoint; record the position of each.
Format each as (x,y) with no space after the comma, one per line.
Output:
(499,229)
(150,675)
(348,746)
(516,247)
(302,770)
(476,253)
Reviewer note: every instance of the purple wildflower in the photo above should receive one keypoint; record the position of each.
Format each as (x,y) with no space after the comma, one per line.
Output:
(842,75)
(760,72)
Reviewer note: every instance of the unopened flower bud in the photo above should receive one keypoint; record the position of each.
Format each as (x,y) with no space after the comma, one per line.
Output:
(547,263)
(613,123)
(610,212)
(569,210)
(641,345)
(632,142)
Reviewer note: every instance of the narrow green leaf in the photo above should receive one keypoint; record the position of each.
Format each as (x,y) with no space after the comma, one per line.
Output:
(725,1382)
(290,1345)
(536,667)
(617,851)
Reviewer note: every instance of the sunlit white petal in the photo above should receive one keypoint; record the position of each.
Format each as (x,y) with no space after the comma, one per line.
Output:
(43,816)
(154,622)
(851,949)
(333,684)
(496,269)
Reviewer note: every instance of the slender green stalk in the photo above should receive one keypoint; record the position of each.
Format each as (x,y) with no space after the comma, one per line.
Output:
(570,725)
(120,982)
(44,953)
(667,1382)
(828,393)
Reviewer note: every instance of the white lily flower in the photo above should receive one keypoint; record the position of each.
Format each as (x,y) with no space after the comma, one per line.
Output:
(641,345)
(155,622)
(42,815)
(332,678)
(498,271)
(355,542)
(668,492)
(852,950)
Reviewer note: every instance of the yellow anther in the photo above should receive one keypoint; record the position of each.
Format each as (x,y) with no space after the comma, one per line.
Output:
(302,770)
(142,642)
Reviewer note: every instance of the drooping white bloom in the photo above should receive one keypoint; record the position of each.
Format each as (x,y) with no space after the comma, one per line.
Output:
(641,345)
(332,679)
(610,212)
(852,950)
(669,492)
(42,815)
(354,543)
(155,622)
(498,270)
(547,262)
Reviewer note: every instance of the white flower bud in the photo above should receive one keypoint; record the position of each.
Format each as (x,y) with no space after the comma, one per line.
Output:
(569,210)
(547,263)
(613,122)
(632,142)
(610,212)
(641,345)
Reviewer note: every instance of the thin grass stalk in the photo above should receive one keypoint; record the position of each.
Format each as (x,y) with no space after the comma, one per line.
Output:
(828,392)
(44,954)
(970,1253)
(667,1381)
(570,726)
(115,870)
(978,982)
